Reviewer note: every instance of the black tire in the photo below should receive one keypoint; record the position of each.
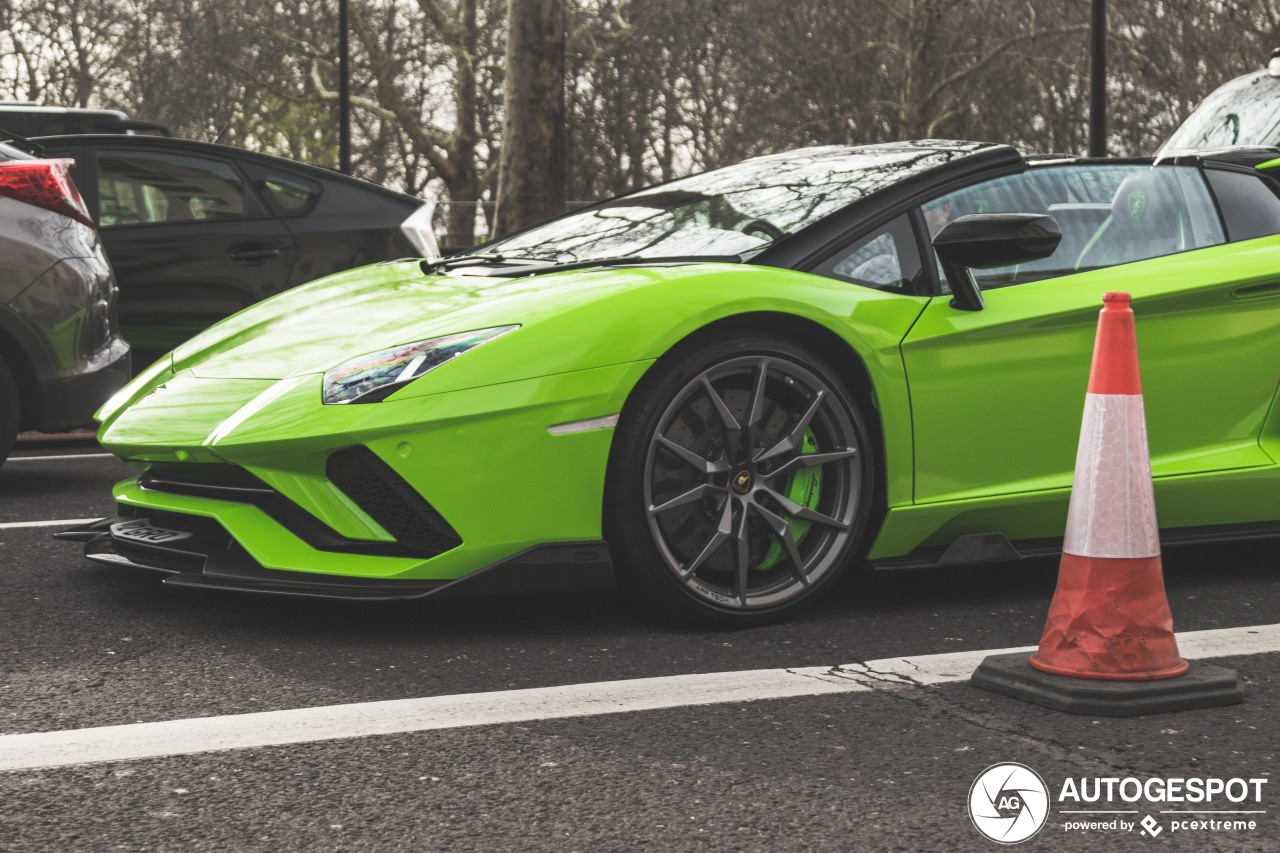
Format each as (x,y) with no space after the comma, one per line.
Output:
(734,427)
(9,412)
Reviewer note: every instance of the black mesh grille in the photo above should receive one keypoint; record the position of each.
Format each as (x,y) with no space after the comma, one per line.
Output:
(390,501)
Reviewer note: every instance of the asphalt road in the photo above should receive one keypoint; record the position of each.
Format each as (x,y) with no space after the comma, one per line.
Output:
(84,646)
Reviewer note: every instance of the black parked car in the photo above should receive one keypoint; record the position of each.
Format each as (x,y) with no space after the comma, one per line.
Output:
(196,231)
(28,119)
(61,355)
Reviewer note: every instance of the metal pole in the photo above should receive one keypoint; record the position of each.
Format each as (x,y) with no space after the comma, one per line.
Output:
(344,92)
(564,113)
(1098,80)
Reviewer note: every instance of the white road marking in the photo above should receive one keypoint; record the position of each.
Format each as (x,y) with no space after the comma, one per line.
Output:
(62,456)
(339,722)
(57,522)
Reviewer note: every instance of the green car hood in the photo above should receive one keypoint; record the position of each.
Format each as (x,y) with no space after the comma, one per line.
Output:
(318,326)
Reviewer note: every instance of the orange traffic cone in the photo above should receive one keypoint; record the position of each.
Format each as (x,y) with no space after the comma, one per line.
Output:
(1110,618)
(1109,623)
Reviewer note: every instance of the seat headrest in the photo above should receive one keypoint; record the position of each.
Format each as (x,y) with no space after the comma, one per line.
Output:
(1149,202)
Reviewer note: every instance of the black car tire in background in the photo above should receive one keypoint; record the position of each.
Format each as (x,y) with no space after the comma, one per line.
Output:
(9,410)
(733,427)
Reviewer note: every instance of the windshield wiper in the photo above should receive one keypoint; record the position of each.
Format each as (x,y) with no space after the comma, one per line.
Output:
(518,267)
(22,143)
(629,261)
(624,261)
(476,259)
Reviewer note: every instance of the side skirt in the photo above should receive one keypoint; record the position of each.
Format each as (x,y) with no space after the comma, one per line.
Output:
(996,548)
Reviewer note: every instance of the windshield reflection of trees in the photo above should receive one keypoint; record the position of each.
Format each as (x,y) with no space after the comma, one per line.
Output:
(729,211)
(1242,115)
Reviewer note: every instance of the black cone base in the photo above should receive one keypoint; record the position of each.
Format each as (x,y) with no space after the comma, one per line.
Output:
(1203,686)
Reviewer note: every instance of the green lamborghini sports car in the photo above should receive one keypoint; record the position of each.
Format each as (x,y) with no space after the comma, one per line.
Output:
(726,390)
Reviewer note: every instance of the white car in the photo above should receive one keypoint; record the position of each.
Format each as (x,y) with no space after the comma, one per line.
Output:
(1245,111)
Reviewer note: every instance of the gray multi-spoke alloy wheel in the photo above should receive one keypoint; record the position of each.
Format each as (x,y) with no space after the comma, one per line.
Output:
(740,481)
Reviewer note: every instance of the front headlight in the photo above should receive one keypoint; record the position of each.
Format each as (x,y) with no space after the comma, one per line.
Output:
(376,376)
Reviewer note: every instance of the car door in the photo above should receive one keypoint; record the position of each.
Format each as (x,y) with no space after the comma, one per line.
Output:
(337,223)
(997,395)
(188,239)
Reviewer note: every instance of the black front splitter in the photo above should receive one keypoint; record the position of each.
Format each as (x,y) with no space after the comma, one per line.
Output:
(212,560)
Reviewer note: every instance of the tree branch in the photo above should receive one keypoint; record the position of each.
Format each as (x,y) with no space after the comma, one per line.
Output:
(995,53)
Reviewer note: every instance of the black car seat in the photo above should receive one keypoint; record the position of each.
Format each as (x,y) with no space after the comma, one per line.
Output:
(1148,219)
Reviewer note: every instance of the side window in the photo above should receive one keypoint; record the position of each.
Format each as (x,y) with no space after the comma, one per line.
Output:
(1249,204)
(284,193)
(139,188)
(1109,214)
(886,259)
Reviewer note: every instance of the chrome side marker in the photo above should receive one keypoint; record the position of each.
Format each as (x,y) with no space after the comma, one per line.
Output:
(605,422)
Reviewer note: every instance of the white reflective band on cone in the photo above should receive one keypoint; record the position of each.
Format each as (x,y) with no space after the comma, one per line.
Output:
(1113,508)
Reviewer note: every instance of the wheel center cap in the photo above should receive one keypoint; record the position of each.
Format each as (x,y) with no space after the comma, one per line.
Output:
(741,481)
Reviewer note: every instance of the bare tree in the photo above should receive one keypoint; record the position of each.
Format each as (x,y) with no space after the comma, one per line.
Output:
(531,180)
(651,89)
(451,151)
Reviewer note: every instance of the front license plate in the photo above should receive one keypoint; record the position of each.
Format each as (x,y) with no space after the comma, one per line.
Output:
(142,530)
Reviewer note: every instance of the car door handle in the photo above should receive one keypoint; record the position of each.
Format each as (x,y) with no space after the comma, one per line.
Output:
(253,257)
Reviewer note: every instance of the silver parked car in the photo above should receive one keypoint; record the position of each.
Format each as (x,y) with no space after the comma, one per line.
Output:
(61,354)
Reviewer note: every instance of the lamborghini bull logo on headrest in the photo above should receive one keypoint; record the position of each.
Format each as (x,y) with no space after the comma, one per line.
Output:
(1137,204)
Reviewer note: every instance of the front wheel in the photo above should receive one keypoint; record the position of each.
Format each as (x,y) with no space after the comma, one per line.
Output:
(740,481)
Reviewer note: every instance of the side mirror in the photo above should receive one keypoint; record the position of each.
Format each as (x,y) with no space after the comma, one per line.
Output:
(983,240)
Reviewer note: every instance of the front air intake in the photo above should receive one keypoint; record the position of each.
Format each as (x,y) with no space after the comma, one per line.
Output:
(386,498)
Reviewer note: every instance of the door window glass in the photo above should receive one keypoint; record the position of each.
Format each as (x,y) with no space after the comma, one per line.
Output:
(285,194)
(1109,214)
(138,188)
(886,259)
(1249,204)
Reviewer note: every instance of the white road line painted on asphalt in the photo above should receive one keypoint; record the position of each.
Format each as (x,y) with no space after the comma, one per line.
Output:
(57,522)
(399,716)
(62,456)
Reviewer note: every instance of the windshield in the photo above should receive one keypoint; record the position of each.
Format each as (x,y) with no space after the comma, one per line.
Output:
(1243,112)
(734,211)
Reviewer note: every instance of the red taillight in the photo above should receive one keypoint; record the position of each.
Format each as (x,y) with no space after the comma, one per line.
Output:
(44,183)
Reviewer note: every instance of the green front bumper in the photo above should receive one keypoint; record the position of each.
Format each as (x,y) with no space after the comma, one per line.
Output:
(482,457)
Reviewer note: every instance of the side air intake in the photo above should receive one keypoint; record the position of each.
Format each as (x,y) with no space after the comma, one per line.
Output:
(378,490)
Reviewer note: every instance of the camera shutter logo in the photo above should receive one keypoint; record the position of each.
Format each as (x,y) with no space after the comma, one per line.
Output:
(1008,803)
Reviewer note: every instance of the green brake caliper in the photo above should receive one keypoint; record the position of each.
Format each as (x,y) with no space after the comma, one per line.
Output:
(805,488)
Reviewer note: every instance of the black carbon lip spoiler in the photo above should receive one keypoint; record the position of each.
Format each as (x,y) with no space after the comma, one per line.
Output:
(198,563)
(92,530)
